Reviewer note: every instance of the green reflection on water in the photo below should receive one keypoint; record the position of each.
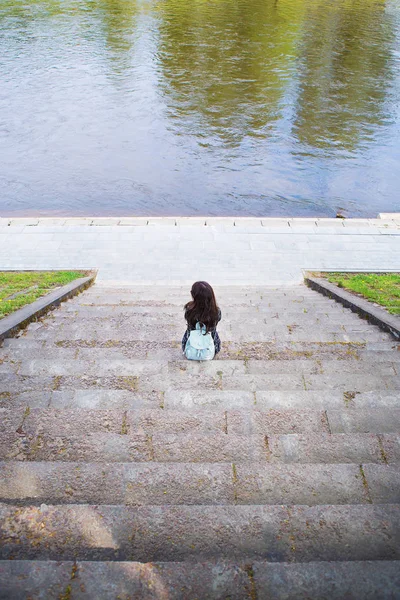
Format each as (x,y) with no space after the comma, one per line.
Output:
(284,92)
(233,68)
(343,76)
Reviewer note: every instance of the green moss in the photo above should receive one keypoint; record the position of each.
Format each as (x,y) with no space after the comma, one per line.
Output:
(124,426)
(382,451)
(67,594)
(267,448)
(348,397)
(57,382)
(128,383)
(250,574)
(234,481)
(365,484)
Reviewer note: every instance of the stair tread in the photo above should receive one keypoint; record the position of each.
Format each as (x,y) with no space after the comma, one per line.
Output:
(137,484)
(315,447)
(48,580)
(151,533)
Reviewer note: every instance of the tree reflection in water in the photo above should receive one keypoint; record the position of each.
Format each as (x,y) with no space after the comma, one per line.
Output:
(207,106)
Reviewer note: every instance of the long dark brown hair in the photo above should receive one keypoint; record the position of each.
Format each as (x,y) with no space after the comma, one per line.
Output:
(203,308)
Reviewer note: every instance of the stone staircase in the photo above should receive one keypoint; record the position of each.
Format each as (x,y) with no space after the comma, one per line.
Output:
(270,472)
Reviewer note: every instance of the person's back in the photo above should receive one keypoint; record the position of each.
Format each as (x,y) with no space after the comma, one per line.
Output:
(202,310)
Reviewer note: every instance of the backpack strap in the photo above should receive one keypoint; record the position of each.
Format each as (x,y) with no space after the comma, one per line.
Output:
(201,327)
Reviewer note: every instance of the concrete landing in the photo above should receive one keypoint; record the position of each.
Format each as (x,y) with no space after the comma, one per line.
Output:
(225,251)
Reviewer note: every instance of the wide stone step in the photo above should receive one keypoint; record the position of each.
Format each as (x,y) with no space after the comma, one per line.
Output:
(228,328)
(389,345)
(180,300)
(223,291)
(273,315)
(157,533)
(113,362)
(354,382)
(198,484)
(11,383)
(252,330)
(85,398)
(191,401)
(183,294)
(51,580)
(272,421)
(312,447)
(197,401)
(231,313)
(28,348)
(26,421)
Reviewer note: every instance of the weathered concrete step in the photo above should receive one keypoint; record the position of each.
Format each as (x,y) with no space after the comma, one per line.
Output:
(317,334)
(247,349)
(173,300)
(272,310)
(103,447)
(277,314)
(277,533)
(227,328)
(227,289)
(174,333)
(222,295)
(85,365)
(251,326)
(87,398)
(357,382)
(51,580)
(167,301)
(113,363)
(335,448)
(12,383)
(270,422)
(194,401)
(266,422)
(364,421)
(198,484)
(278,399)
(23,347)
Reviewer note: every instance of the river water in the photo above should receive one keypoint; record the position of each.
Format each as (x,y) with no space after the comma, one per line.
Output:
(201,107)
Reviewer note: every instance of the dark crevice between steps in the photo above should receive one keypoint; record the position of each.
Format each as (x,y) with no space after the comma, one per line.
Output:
(252,584)
(382,450)
(235,482)
(326,421)
(267,448)
(68,590)
(365,484)
(149,442)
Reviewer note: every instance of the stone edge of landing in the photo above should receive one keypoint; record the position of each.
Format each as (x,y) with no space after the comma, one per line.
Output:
(10,325)
(365,309)
(383,222)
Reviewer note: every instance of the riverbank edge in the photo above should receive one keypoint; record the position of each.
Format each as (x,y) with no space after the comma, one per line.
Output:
(19,319)
(365,309)
(384,220)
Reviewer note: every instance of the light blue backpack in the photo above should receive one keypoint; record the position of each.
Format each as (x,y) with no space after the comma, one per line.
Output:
(200,345)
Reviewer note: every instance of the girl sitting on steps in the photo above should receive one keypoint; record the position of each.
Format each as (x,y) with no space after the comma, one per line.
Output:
(203,310)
